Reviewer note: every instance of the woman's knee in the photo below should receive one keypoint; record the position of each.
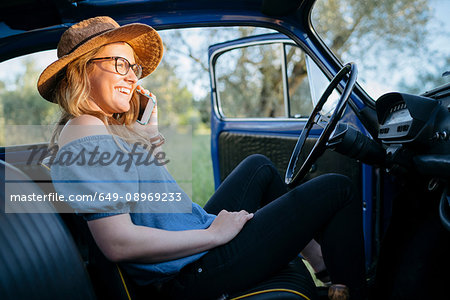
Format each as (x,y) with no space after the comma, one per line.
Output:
(257,159)
(343,185)
(337,179)
(332,187)
(261,167)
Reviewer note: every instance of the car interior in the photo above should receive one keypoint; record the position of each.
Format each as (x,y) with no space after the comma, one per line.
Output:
(395,149)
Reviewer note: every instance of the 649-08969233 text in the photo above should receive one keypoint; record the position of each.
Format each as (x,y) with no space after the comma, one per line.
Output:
(129,197)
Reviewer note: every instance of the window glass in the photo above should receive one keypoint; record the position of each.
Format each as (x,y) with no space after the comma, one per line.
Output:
(250,82)
(298,83)
(398,45)
(263,81)
(318,83)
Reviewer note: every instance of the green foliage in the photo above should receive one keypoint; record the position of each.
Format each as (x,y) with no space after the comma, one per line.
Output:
(203,106)
(250,82)
(175,101)
(202,174)
(391,40)
(21,104)
(358,25)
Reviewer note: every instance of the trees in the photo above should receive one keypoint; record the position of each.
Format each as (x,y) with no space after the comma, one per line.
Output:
(392,41)
(21,102)
(175,101)
(22,105)
(354,26)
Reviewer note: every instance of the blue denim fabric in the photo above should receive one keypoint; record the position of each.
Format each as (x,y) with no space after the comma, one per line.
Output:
(74,172)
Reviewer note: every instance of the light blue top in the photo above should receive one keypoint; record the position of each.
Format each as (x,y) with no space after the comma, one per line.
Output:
(96,168)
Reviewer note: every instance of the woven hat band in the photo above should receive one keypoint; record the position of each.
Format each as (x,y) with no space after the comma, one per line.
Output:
(82,32)
(87,39)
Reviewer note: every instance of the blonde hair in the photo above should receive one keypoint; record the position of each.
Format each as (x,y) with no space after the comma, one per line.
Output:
(72,95)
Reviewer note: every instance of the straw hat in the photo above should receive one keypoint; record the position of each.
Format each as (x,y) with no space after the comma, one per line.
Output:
(95,32)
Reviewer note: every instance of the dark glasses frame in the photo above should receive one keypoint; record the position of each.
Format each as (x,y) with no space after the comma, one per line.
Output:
(137,69)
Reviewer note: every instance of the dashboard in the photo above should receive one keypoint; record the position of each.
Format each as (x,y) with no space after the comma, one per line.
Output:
(398,114)
(415,129)
(405,118)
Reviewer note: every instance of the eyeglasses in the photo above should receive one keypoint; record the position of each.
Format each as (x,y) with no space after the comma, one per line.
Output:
(123,65)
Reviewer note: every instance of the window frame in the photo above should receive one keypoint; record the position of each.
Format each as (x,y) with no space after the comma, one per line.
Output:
(217,107)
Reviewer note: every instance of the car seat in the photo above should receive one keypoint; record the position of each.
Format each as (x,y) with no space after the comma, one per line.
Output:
(38,258)
(108,281)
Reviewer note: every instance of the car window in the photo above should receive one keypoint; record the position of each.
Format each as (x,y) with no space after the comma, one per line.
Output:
(318,83)
(298,82)
(20,102)
(250,82)
(400,45)
(263,80)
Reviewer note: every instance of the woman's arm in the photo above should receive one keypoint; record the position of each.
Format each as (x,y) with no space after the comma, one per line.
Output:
(120,240)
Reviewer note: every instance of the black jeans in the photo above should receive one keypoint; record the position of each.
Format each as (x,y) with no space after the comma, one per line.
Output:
(326,208)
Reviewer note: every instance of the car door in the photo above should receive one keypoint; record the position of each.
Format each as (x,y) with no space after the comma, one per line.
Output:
(262,95)
(263,90)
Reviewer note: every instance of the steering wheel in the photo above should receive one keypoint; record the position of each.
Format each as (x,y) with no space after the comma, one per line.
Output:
(328,124)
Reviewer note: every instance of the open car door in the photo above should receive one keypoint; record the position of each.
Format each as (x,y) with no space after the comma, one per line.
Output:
(263,90)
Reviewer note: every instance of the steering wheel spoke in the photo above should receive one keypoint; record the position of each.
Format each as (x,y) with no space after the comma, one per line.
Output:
(326,122)
(322,120)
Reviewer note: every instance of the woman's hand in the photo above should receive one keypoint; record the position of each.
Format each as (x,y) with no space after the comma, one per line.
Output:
(227,225)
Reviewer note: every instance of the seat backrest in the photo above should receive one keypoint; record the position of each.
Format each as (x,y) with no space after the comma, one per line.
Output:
(38,257)
(108,281)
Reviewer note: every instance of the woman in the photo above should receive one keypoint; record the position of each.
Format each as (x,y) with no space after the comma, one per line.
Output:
(250,228)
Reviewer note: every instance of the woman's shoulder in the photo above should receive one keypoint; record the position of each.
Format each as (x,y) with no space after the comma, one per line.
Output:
(80,127)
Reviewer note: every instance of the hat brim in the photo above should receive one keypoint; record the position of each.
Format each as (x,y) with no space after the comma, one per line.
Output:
(144,40)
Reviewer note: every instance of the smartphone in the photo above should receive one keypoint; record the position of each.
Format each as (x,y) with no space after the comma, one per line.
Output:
(147,102)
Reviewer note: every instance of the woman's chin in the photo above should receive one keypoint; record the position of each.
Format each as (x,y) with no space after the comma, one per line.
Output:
(123,108)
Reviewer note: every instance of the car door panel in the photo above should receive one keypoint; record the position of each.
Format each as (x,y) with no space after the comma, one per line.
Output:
(235,146)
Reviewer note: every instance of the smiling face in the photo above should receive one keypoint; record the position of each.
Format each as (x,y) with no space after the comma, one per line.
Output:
(111,92)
